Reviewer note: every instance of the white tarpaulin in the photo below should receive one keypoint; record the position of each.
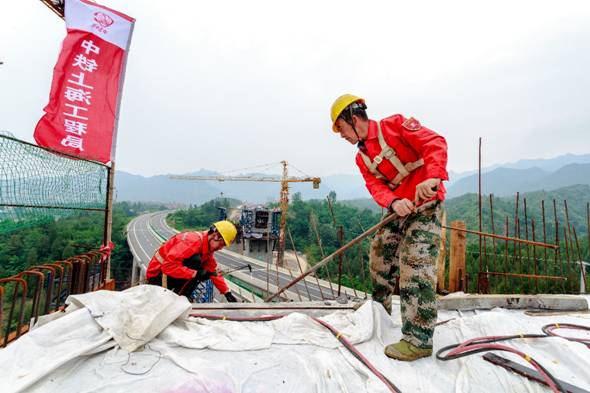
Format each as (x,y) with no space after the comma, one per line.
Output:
(87,350)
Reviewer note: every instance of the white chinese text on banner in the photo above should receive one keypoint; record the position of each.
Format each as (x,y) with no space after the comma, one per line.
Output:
(82,113)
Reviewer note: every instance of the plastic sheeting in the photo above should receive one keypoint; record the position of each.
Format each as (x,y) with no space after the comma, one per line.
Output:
(90,349)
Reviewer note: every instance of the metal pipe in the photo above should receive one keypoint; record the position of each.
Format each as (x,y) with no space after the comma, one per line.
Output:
(345,247)
(248,266)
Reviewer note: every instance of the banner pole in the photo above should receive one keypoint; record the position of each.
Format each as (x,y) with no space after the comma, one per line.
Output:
(108,216)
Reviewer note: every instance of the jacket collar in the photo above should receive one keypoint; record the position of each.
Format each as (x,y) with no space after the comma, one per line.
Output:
(372,132)
(205,246)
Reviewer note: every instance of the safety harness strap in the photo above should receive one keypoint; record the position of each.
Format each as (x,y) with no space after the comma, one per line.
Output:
(388,153)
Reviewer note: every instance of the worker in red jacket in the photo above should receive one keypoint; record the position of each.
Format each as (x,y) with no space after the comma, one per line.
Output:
(403,164)
(186,259)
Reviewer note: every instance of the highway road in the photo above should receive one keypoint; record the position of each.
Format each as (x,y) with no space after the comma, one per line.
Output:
(146,232)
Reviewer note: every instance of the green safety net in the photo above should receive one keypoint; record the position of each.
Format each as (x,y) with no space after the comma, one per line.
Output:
(37,185)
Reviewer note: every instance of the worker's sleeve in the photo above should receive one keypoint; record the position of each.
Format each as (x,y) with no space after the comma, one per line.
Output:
(432,148)
(176,254)
(380,191)
(218,281)
(220,284)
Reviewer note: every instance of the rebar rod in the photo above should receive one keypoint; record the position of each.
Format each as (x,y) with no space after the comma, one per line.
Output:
(535,255)
(515,223)
(557,253)
(493,229)
(526,231)
(340,235)
(567,251)
(300,268)
(340,258)
(359,238)
(506,253)
(519,247)
(319,240)
(582,269)
(362,259)
(569,230)
(492,235)
(544,232)
(479,211)
(524,275)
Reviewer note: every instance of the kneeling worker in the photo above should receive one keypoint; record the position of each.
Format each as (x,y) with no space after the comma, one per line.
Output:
(186,259)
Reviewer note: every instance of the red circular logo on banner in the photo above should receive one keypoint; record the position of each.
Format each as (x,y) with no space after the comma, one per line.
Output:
(103,19)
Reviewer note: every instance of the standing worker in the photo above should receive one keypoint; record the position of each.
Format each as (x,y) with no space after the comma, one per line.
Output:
(403,164)
(186,259)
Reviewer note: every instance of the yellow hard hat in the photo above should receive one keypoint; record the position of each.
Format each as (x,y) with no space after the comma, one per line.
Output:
(340,104)
(227,230)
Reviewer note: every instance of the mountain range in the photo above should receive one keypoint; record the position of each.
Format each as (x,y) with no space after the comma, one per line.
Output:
(161,188)
(499,179)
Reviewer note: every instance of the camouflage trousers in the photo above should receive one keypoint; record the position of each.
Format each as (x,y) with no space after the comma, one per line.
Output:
(409,248)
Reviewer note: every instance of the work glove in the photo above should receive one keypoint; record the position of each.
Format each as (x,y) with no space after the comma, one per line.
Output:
(204,275)
(230,297)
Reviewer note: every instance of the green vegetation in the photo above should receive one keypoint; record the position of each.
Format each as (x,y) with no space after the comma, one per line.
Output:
(358,215)
(54,240)
(57,240)
(328,217)
(200,217)
(465,208)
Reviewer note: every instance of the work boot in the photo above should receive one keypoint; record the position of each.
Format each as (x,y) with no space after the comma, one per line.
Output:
(406,352)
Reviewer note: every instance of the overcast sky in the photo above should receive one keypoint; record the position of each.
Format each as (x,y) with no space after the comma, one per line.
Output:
(232,84)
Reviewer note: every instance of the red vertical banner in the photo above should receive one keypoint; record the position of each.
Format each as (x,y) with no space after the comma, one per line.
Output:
(82,114)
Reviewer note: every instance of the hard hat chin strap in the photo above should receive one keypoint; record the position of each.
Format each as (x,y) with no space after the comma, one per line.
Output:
(352,124)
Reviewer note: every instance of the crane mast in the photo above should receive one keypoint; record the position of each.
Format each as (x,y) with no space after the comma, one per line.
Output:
(283,198)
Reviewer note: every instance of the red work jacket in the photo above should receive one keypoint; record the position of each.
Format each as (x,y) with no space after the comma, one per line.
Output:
(180,247)
(411,141)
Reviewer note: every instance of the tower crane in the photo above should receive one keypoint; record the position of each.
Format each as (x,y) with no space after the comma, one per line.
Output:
(285,179)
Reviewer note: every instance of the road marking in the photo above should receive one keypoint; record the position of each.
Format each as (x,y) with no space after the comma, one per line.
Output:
(139,243)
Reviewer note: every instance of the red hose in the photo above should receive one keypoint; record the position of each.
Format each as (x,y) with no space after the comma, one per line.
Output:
(347,344)
(462,348)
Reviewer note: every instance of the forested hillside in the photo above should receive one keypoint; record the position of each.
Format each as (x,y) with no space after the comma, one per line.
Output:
(57,240)
(327,217)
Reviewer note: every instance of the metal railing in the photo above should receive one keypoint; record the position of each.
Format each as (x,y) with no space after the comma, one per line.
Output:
(43,289)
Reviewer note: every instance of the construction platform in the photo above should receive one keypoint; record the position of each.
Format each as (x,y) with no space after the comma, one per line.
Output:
(147,339)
